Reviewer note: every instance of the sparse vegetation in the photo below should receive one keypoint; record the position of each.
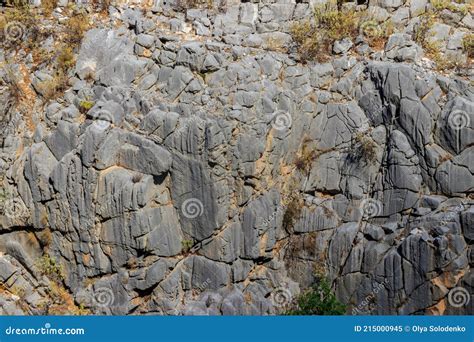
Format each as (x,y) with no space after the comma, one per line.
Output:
(318,300)
(365,147)
(468,44)
(433,48)
(85,106)
(292,213)
(275,44)
(376,33)
(314,38)
(183,5)
(62,303)
(49,267)
(14,88)
(440,5)
(187,245)
(65,59)
(75,27)
(102,5)
(54,87)
(48,6)
(306,157)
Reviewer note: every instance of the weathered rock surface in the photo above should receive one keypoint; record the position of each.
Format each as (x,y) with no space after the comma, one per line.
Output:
(172,194)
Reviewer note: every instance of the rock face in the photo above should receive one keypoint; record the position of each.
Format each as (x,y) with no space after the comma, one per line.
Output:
(173,193)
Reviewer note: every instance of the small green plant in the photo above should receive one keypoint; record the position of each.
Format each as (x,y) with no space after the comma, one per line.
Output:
(468,44)
(186,245)
(49,267)
(85,106)
(318,300)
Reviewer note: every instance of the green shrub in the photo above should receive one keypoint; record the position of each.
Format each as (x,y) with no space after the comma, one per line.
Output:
(49,267)
(314,38)
(85,106)
(318,300)
(186,245)
(336,24)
